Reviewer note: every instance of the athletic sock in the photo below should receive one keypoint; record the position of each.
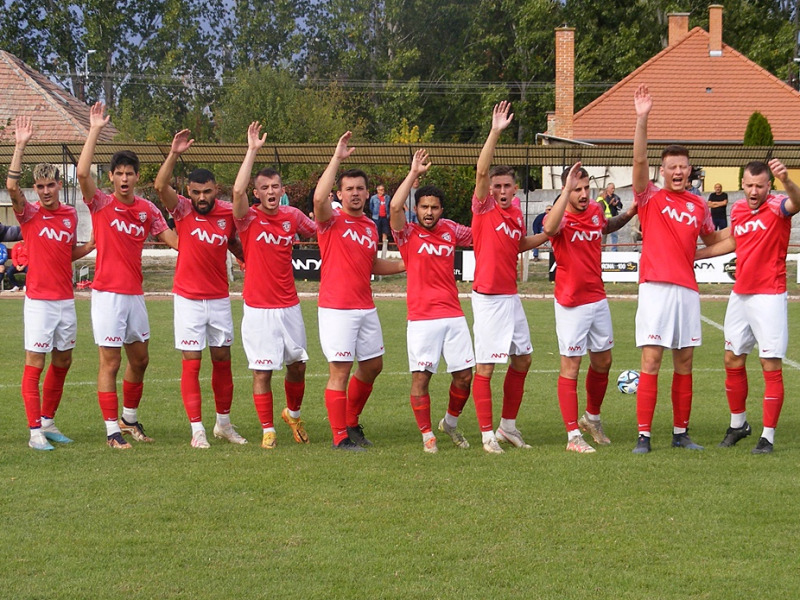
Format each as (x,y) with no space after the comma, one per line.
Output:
(482,396)
(513,390)
(357,395)
(30,395)
(457,402)
(568,402)
(112,427)
(53,390)
(736,392)
(573,433)
(222,385)
(591,417)
(109,406)
(450,419)
(37,435)
(336,405)
(596,386)
(263,403)
(295,390)
(646,398)
(190,390)
(131,395)
(197,426)
(681,401)
(47,422)
(773,397)
(427,436)
(768,434)
(223,419)
(130,415)
(421,405)
(508,424)
(487,436)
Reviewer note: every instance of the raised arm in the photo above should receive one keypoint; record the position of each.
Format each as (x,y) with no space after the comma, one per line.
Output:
(180,144)
(792,190)
(552,223)
(643,102)
(23,131)
(322,205)
(254,143)
(622,219)
(84,171)
(501,118)
(419,166)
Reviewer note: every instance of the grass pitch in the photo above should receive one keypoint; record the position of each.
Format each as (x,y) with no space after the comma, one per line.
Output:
(167,521)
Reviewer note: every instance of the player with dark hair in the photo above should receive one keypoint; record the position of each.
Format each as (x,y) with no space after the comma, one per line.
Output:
(122,222)
(49,314)
(757,309)
(576,226)
(273,332)
(668,314)
(436,322)
(349,328)
(201,301)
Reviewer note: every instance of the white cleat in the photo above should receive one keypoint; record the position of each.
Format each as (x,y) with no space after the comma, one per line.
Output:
(458,438)
(579,445)
(199,439)
(492,447)
(430,446)
(511,437)
(227,432)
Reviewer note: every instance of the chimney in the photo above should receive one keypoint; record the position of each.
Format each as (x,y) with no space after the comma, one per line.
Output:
(678,27)
(715,30)
(565,81)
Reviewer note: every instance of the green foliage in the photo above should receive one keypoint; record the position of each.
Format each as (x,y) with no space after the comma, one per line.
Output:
(409,134)
(758,131)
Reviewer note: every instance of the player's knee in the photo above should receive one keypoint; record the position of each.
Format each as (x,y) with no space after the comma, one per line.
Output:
(463,379)
(521,363)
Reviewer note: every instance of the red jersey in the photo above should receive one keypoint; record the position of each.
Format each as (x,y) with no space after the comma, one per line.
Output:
(348,246)
(50,237)
(577,248)
(762,238)
(201,273)
(671,223)
(267,241)
(496,233)
(119,232)
(429,256)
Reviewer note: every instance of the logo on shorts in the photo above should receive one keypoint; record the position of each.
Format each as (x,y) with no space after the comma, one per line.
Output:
(228,340)
(500,355)
(424,363)
(695,339)
(41,345)
(262,361)
(114,338)
(575,348)
(469,360)
(654,336)
(345,354)
(286,226)
(190,343)
(728,344)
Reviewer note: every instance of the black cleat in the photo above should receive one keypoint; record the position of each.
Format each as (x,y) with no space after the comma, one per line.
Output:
(643,445)
(735,434)
(348,445)
(764,446)
(682,440)
(356,435)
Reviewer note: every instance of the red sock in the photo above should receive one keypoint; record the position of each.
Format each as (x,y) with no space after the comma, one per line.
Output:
(513,389)
(295,390)
(30,395)
(357,395)
(263,404)
(681,399)
(596,386)
(736,389)
(421,405)
(131,394)
(646,397)
(482,396)
(190,390)
(458,400)
(336,404)
(52,390)
(568,401)
(773,397)
(109,405)
(222,384)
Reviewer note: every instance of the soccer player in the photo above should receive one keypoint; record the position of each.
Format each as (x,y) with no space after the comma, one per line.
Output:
(49,314)
(201,302)
(668,315)
(436,322)
(349,328)
(121,222)
(757,312)
(500,325)
(576,226)
(273,332)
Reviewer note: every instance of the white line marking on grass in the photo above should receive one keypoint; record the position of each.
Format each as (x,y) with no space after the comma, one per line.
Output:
(716,325)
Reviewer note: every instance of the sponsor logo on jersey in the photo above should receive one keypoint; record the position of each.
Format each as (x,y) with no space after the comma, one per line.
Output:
(59,236)
(345,354)
(680,217)
(363,240)
(585,236)
(437,249)
(128,228)
(749,227)
(214,239)
(276,240)
(514,234)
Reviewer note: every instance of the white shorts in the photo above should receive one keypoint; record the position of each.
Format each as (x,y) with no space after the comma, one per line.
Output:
(119,319)
(49,324)
(198,322)
(668,315)
(273,337)
(428,340)
(347,335)
(585,327)
(500,328)
(761,318)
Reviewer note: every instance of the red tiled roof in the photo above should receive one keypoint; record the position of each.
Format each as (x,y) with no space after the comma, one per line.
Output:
(57,115)
(696,97)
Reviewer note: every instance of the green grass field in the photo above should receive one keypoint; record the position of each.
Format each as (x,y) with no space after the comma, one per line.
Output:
(168,521)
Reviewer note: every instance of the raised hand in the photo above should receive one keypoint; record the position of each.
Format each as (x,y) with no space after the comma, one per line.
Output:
(96,118)
(573,177)
(254,142)
(502,116)
(342,150)
(779,170)
(642,101)
(181,142)
(420,163)
(23,130)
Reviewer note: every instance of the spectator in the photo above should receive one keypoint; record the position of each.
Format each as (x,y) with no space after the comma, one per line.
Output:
(537,227)
(411,203)
(379,209)
(612,205)
(718,203)
(10,233)
(3,259)
(19,264)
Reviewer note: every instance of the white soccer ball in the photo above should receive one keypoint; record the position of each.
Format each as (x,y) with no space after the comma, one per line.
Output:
(628,382)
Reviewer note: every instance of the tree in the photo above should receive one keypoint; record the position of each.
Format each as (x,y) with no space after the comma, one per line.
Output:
(757,133)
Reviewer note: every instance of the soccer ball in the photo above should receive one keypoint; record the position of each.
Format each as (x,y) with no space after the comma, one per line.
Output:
(628,382)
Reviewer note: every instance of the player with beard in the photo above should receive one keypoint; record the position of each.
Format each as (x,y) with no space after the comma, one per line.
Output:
(273,332)
(576,226)
(49,313)
(761,225)
(201,300)
(122,222)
